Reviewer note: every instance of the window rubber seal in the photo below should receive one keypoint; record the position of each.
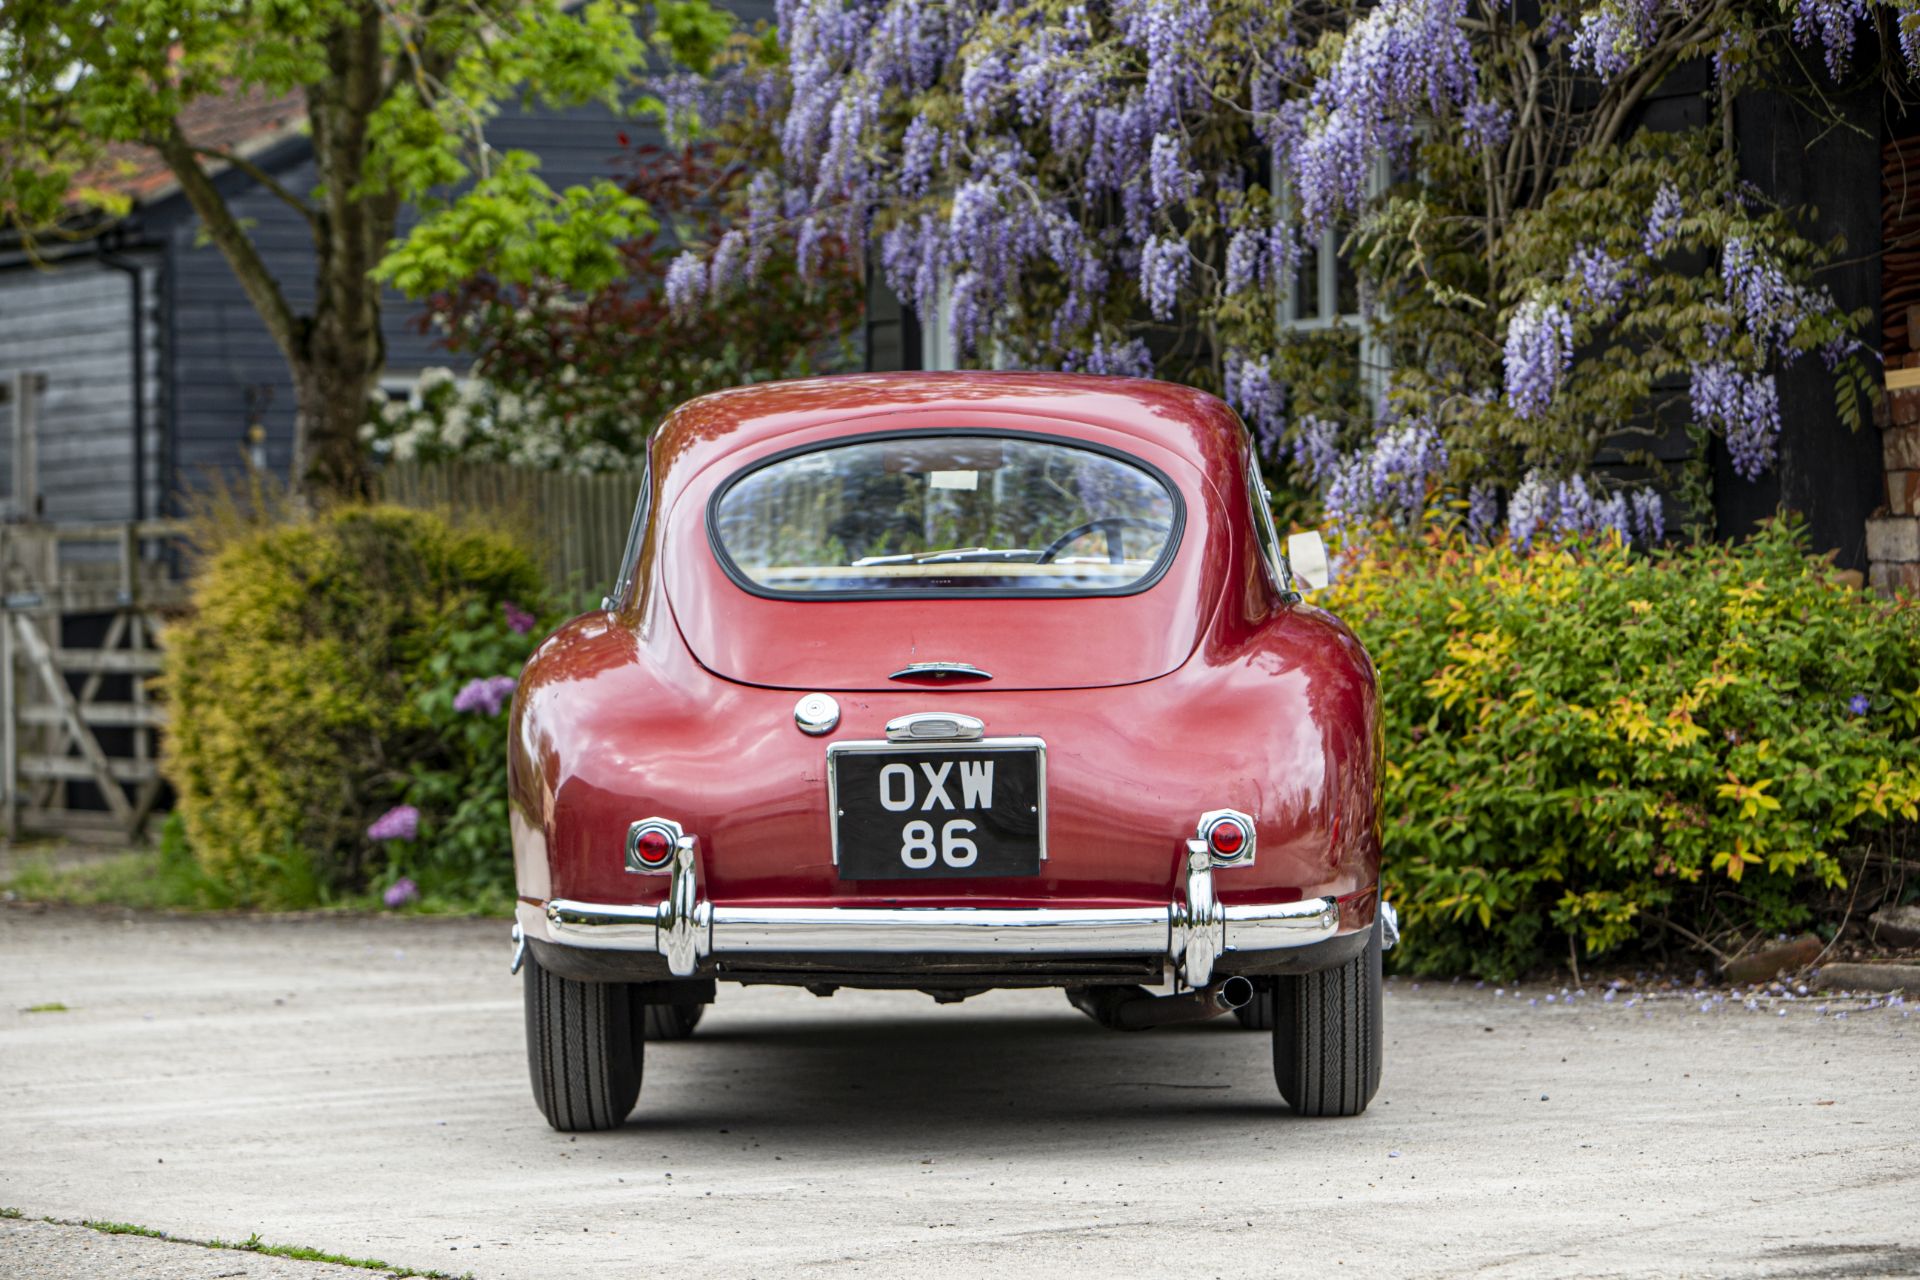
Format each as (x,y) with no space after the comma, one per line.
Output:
(1175,537)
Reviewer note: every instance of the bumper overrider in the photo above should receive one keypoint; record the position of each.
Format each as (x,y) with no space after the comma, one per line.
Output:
(1191,934)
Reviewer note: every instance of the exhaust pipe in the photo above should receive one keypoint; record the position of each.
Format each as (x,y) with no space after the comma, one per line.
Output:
(1137,1009)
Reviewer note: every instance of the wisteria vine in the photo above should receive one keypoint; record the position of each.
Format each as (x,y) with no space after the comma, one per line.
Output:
(1140,187)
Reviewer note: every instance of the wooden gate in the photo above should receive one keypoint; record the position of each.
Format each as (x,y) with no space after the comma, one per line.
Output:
(81,615)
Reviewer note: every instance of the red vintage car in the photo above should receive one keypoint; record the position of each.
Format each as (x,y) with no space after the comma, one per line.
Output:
(951,682)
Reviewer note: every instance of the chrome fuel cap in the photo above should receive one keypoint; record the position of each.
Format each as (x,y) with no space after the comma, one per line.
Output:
(816,714)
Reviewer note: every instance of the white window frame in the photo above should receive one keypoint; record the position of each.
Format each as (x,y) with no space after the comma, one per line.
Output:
(1376,366)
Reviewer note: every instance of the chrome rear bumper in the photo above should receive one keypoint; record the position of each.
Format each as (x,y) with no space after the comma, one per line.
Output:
(1189,934)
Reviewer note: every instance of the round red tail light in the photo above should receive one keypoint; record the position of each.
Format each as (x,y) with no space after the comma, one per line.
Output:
(1227,838)
(653,847)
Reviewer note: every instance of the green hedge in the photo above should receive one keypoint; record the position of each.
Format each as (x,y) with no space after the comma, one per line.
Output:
(1594,748)
(306,687)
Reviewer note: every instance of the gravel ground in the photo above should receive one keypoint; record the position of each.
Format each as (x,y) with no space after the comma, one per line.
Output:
(359,1086)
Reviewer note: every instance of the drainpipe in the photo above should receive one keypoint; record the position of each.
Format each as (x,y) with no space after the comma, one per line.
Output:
(132,271)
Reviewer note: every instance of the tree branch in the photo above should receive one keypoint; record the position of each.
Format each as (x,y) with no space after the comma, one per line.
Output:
(231,239)
(265,179)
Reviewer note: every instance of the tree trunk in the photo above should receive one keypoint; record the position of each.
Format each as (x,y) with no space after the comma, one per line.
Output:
(331,398)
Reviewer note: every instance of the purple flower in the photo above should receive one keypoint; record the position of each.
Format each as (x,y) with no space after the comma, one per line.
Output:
(1485,125)
(519,621)
(485,695)
(401,892)
(1744,408)
(1835,22)
(1539,350)
(1124,358)
(1246,253)
(1405,60)
(1859,704)
(1531,506)
(1574,510)
(1663,221)
(402,822)
(920,151)
(729,260)
(1649,520)
(1316,451)
(686,281)
(1163,273)
(1602,277)
(1483,510)
(1252,389)
(1606,44)
(1167,172)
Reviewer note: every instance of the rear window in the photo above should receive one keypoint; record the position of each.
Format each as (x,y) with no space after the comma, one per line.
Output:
(952,514)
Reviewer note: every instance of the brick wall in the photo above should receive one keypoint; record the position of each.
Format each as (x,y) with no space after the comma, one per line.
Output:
(1893,535)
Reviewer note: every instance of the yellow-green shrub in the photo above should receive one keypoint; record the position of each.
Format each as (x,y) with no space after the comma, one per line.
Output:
(1585,743)
(295,686)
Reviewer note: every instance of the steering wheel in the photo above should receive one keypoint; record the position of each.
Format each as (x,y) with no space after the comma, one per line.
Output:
(1111,526)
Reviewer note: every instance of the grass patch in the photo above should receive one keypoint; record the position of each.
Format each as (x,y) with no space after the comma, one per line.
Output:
(252,1244)
(8,1212)
(50,1006)
(169,878)
(122,1229)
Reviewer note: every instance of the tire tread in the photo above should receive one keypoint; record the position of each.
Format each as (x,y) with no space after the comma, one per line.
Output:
(1327,1036)
(584,1051)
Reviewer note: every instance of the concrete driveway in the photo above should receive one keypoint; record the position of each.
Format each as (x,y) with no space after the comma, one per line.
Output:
(359,1087)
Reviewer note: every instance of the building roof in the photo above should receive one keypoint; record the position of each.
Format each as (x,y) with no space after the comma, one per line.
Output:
(244,122)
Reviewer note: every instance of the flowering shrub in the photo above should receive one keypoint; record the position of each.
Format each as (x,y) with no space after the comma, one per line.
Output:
(1593,748)
(312,685)
(1135,186)
(459,852)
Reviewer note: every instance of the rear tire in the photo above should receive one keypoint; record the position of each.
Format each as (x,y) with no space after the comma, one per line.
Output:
(1327,1036)
(672,1021)
(1257,1013)
(585,1051)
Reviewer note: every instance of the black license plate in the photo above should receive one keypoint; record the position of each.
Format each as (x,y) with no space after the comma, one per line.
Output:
(933,813)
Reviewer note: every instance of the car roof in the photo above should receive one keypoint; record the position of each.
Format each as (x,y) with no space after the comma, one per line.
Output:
(1181,419)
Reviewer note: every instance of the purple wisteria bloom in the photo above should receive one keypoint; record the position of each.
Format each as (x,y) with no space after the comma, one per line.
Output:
(1530,507)
(402,822)
(1649,518)
(1485,125)
(729,260)
(920,152)
(1167,174)
(1404,60)
(1602,277)
(1759,294)
(1834,23)
(1164,265)
(1539,350)
(686,281)
(1606,44)
(1127,358)
(1389,478)
(1859,704)
(1744,408)
(1316,449)
(519,621)
(1483,510)
(1663,221)
(1252,389)
(485,695)
(401,892)
(1246,254)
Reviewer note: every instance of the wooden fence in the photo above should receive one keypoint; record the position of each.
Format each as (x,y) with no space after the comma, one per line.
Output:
(577,523)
